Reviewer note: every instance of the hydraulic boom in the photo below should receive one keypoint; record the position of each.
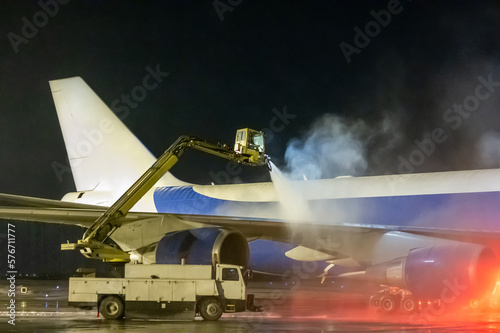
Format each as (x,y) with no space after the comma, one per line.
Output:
(248,150)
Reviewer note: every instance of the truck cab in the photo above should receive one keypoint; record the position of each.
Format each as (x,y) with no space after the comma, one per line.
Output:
(250,143)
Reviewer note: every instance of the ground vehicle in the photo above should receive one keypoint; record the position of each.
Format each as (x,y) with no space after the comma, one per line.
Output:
(159,290)
(178,291)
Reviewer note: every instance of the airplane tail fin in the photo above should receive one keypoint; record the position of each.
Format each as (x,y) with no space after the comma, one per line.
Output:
(103,153)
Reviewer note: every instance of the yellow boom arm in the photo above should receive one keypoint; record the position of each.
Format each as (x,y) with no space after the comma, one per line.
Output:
(248,151)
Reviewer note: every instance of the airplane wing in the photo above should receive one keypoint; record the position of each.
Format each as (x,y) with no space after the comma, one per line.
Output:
(23,208)
(10,200)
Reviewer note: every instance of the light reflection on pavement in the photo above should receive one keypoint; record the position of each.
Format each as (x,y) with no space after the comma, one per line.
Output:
(44,309)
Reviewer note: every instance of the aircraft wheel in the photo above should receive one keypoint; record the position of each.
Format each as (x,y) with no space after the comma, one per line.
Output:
(389,303)
(374,302)
(494,303)
(437,305)
(408,304)
(474,303)
(211,309)
(112,308)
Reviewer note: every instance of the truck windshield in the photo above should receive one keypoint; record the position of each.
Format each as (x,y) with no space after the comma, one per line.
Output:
(230,274)
(258,140)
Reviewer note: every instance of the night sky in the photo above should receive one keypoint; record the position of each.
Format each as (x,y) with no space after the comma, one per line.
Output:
(386,74)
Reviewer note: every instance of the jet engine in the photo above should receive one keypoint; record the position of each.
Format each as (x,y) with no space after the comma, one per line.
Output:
(203,246)
(451,271)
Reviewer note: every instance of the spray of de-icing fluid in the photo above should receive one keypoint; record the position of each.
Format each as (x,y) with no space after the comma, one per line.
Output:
(294,206)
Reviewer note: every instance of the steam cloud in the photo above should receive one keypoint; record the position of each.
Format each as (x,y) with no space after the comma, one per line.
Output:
(336,146)
(489,150)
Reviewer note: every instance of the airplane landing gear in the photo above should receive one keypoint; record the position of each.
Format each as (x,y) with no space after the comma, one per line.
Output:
(392,299)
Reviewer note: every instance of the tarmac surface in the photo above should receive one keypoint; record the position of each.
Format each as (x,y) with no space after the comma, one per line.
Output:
(43,308)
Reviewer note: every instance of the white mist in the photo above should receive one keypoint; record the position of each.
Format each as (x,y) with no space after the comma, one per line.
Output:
(294,206)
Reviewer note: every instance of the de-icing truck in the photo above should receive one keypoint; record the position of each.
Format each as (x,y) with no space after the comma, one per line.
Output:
(157,290)
(161,291)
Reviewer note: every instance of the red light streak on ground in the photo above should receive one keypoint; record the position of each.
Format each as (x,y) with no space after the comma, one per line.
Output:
(353,307)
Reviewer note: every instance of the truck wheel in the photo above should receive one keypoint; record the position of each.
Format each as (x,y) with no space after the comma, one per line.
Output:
(112,308)
(210,309)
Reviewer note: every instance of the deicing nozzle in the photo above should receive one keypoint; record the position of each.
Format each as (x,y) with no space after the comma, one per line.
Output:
(267,160)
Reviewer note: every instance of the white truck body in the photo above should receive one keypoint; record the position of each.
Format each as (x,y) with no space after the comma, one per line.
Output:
(180,291)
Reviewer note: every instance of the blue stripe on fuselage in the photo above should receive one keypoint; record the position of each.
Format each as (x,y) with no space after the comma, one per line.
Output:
(184,200)
(472,211)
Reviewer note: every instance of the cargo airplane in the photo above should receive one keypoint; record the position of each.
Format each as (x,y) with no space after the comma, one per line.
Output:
(428,236)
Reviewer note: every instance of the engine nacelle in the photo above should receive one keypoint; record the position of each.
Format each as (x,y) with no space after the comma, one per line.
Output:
(458,271)
(203,246)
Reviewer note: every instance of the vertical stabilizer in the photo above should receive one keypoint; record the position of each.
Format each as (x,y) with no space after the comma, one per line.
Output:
(104,155)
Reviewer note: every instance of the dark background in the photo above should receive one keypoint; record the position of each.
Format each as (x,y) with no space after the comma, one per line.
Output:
(231,73)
